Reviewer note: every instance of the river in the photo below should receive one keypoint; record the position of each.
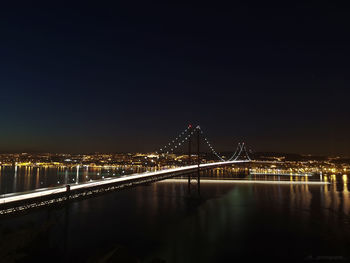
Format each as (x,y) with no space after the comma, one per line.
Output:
(160,222)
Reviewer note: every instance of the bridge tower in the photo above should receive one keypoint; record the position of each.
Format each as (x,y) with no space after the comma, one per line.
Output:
(189,159)
(198,160)
(198,132)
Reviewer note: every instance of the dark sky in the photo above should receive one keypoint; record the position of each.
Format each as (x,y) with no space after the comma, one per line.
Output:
(89,77)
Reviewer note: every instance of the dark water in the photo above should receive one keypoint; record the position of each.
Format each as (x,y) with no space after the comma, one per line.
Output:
(231,222)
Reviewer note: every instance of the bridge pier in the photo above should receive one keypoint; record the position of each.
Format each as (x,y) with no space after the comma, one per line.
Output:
(67,192)
(198,161)
(189,163)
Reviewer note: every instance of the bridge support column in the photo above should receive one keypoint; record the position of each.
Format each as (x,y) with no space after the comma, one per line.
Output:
(68,192)
(189,163)
(198,161)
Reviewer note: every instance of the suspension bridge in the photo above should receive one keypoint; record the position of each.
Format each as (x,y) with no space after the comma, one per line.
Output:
(15,202)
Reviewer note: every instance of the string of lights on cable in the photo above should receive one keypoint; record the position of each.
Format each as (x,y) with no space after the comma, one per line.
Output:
(209,144)
(242,147)
(173,145)
(185,135)
(234,154)
(246,153)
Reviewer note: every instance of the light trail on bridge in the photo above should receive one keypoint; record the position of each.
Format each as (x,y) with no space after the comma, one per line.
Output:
(14,197)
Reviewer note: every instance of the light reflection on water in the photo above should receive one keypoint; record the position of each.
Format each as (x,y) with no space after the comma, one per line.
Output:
(231,221)
(254,221)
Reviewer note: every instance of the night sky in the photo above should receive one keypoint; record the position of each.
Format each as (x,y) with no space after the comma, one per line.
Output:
(88,77)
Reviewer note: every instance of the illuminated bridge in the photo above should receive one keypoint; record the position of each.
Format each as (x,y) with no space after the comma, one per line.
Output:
(41,197)
(16,202)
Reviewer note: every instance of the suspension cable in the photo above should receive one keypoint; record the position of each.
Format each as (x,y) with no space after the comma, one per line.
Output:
(241,148)
(174,143)
(234,154)
(185,136)
(209,145)
(246,153)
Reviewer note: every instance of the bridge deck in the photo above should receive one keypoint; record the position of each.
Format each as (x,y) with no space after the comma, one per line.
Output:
(40,197)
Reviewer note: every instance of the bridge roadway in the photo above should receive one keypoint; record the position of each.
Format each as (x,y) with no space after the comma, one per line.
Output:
(40,197)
